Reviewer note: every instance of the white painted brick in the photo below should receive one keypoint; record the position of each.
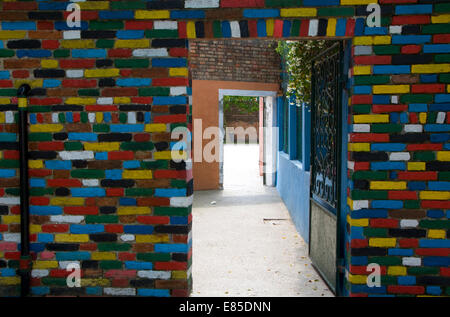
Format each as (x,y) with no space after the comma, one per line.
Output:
(177,91)
(90,182)
(150,52)
(127,237)
(165,25)
(413,128)
(132,117)
(120,291)
(394,99)
(39,273)
(76,155)
(71,35)
(55,118)
(75,73)
(313,27)
(235,29)
(66,219)
(63,264)
(159,275)
(9,200)
(181,201)
(360,204)
(395,29)
(361,128)
(409,223)
(440,117)
(9,117)
(201,3)
(411,261)
(105,101)
(91,117)
(351,165)
(400,156)
(363,50)
(11,237)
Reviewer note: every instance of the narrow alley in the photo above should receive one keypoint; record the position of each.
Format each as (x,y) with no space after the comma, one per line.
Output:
(245,243)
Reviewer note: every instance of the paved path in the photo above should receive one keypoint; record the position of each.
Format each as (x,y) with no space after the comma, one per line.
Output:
(244,241)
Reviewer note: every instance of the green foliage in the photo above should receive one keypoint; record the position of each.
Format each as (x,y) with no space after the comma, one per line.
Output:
(296,57)
(244,105)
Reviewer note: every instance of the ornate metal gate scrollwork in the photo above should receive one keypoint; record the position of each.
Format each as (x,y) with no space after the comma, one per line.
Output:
(326,94)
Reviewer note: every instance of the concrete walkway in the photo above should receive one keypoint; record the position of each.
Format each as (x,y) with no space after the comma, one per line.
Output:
(244,243)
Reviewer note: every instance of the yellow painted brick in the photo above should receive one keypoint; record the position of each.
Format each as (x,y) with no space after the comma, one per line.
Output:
(110,72)
(443,156)
(142,43)
(391,89)
(155,127)
(382,39)
(396,270)
(46,127)
(416,166)
(35,164)
(98,256)
(135,174)
(80,101)
(383,242)
(448,88)
(423,117)
(362,70)
(358,222)
(357,279)
(331,28)
(35,228)
(49,63)
(430,68)
(387,185)
(45,264)
(179,275)
(9,35)
(298,12)
(371,118)
(77,44)
(10,219)
(169,155)
(2,117)
(99,117)
(270,26)
(95,282)
(363,40)
(190,30)
(152,14)
(133,210)
(10,280)
(434,195)
(94,5)
(5,101)
(443,18)
(67,201)
(436,234)
(72,238)
(151,238)
(37,83)
(102,146)
(118,100)
(359,147)
(178,72)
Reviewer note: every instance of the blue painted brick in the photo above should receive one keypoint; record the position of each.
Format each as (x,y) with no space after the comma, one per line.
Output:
(62,26)
(428,78)
(381,166)
(133,82)
(94,290)
(440,107)
(101,156)
(89,53)
(389,204)
(51,83)
(4,74)
(369,213)
(82,136)
(130,34)
(357,233)
(37,182)
(131,164)
(436,261)
(58,165)
(320,3)
(88,192)
(260,27)
(434,290)
(135,265)
(86,229)
(341,26)
(7,272)
(434,243)
(376,31)
(414,9)
(287,28)
(391,69)
(187,14)
(437,127)
(46,210)
(7,173)
(53,6)
(401,252)
(226,29)
(439,185)
(440,98)
(37,247)
(8,137)
(162,101)
(153,292)
(169,248)
(368,290)
(261,13)
(113,174)
(175,220)
(436,48)
(410,39)
(389,147)
(169,62)
(435,213)
(116,15)
(125,201)
(359,260)
(362,89)
(138,229)
(40,290)
(73,256)
(12,26)
(406,280)
(381,99)
(45,237)
(121,128)
(417,185)
(418,107)
(33,53)
(170,192)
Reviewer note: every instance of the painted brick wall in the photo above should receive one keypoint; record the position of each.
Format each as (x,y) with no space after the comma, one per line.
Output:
(234,60)
(104,190)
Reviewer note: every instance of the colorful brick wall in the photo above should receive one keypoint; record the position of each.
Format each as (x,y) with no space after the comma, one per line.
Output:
(104,190)
(234,60)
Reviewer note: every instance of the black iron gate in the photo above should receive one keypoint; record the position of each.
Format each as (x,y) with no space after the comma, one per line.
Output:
(326,85)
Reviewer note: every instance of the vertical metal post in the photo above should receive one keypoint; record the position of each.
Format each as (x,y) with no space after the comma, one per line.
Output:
(25,257)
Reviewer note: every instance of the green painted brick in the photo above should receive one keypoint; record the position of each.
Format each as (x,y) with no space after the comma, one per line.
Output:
(100,128)
(375,175)
(412,204)
(436,28)
(442,7)
(154,164)
(8,92)
(123,118)
(386,49)
(138,192)
(283,3)
(444,78)
(154,91)
(444,176)
(442,58)
(36,109)
(88,92)
(84,117)
(178,183)
(336,12)
(435,224)
(154,257)
(102,219)
(217,29)
(85,173)
(61,53)
(6,53)
(161,33)
(386,127)
(431,117)
(424,156)
(12,191)
(9,164)
(137,146)
(60,281)
(110,265)
(73,146)
(41,191)
(40,137)
(105,25)
(372,80)
(122,5)
(388,280)
(416,98)
(114,246)
(417,270)
(104,43)
(361,109)
(368,194)
(132,63)
(172,211)
(61,117)
(295,28)
(375,232)
(386,260)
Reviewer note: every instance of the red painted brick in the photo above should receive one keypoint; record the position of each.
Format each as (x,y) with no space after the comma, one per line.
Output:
(126,256)
(369,137)
(177,81)
(124,155)
(417,175)
(402,195)
(64,183)
(384,223)
(120,52)
(410,19)
(441,38)
(242,4)
(372,60)
(114,192)
(424,147)
(175,118)
(433,252)
(114,228)
(411,49)
(81,210)
(435,204)
(400,289)
(388,108)
(79,83)
(55,228)
(40,201)
(51,146)
(153,220)
(359,243)
(170,266)
(138,25)
(361,99)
